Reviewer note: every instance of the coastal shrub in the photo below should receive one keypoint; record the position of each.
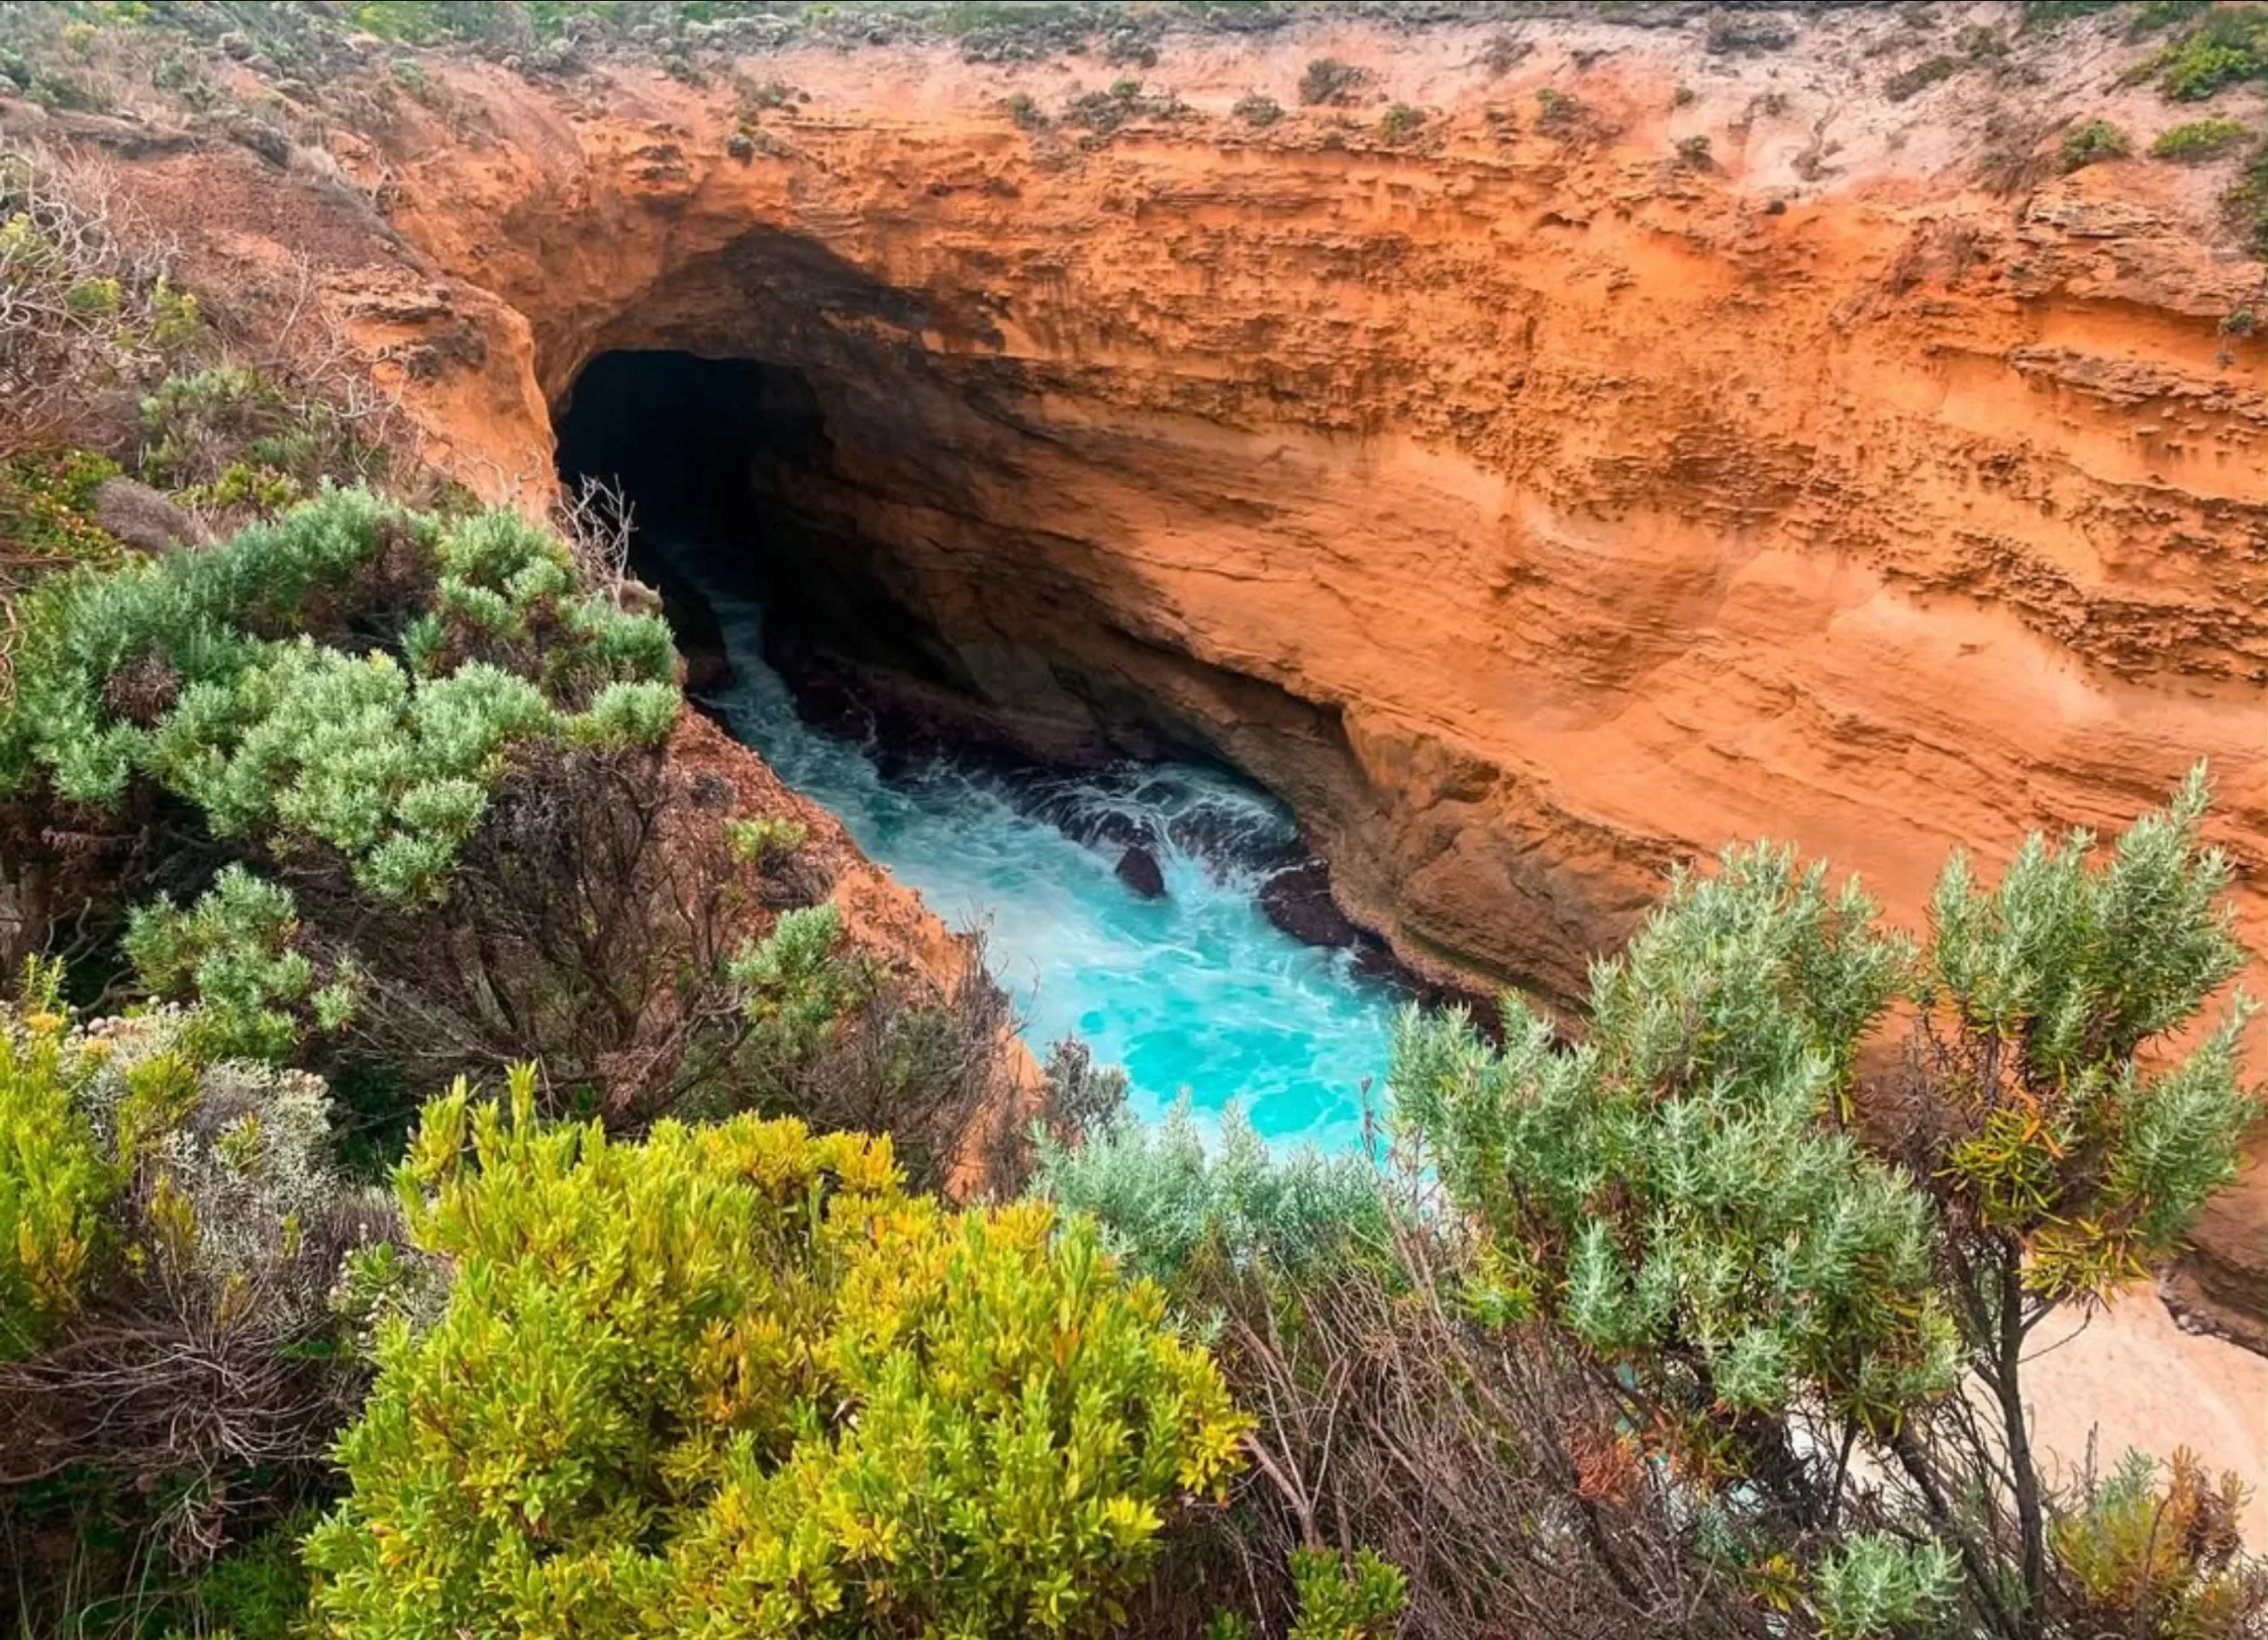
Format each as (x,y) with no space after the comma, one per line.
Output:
(1400,121)
(838,1041)
(2092,144)
(1257,111)
(1168,1201)
(178,1226)
(1559,113)
(426,652)
(1326,80)
(1657,1187)
(1911,82)
(767,841)
(237,953)
(228,434)
(92,308)
(2201,140)
(2163,1539)
(1691,1196)
(2227,46)
(54,1181)
(737,1369)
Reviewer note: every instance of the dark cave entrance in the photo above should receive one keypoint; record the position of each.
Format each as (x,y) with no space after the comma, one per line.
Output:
(717,459)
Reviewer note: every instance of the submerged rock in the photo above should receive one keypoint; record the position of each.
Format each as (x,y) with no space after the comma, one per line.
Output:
(1298,901)
(1138,870)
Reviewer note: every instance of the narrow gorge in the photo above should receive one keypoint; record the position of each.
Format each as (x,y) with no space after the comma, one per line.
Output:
(1653,447)
(680,627)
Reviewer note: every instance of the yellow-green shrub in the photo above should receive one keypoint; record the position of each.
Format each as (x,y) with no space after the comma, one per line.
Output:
(54,1179)
(734,1380)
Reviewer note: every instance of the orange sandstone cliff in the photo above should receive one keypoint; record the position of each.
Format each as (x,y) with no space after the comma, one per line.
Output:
(1534,497)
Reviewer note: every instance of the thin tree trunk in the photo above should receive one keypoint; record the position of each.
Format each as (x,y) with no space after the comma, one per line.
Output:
(2008,1353)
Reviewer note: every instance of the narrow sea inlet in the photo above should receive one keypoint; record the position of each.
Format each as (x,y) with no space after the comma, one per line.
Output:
(1193,992)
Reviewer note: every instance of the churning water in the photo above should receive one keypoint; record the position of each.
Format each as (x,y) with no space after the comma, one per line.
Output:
(1195,994)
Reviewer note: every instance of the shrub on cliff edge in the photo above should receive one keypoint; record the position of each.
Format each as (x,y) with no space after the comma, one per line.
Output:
(734,1374)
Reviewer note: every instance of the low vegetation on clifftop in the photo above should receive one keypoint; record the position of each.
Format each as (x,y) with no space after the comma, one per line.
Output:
(463,1172)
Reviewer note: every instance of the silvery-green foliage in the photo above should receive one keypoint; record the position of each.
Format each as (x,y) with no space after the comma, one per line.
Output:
(2037,998)
(238,952)
(1679,1182)
(424,652)
(244,1147)
(1873,1584)
(2087,961)
(1165,1198)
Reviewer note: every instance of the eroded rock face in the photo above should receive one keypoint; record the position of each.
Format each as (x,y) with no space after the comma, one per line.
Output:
(1531,508)
(1530,514)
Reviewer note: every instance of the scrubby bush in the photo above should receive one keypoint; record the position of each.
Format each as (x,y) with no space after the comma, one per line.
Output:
(1168,1201)
(1559,113)
(1328,81)
(2200,140)
(1257,111)
(736,1369)
(376,737)
(1686,1196)
(54,1181)
(2093,142)
(90,308)
(1910,82)
(1400,121)
(836,1041)
(176,1227)
(2227,46)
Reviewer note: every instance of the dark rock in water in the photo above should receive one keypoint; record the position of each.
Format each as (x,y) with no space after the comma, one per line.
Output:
(1138,869)
(1298,901)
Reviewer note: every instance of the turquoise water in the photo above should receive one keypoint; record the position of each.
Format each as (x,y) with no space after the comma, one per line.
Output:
(1197,993)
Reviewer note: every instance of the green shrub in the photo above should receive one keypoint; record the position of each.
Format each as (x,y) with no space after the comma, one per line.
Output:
(2173,1548)
(1558,113)
(2201,140)
(236,954)
(1400,121)
(2228,46)
(2092,144)
(165,670)
(1687,1195)
(765,843)
(55,1182)
(1666,1183)
(736,1369)
(1172,1206)
(1913,81)
(48,512)
(1360,1600)
(231,435)
(261,1592)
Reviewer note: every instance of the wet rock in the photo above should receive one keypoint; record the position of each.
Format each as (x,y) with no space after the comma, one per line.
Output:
(1298,901)
(1138,869)
(144,519)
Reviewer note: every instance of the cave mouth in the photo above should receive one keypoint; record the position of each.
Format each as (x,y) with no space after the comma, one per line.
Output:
(709,455)
(1166,911)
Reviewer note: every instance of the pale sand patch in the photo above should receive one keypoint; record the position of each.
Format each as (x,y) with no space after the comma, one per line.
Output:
(2139,1380)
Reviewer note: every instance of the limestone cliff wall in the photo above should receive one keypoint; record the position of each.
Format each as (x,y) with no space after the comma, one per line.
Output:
(1531,512)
